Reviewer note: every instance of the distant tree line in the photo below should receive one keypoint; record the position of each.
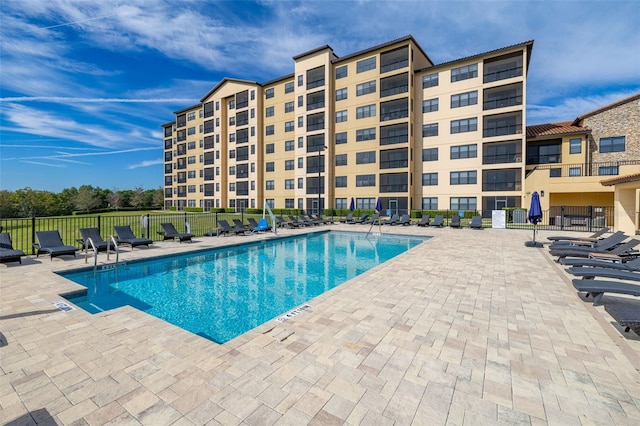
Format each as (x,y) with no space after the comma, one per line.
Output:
(27,202)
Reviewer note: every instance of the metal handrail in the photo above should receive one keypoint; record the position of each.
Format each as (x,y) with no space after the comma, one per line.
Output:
(95,252)
(115,245)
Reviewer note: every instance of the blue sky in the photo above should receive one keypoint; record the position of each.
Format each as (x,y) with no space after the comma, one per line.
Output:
(85,85)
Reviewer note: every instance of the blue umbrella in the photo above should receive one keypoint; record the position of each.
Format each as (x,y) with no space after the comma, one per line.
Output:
(352,206)
(535,216)
(379,205)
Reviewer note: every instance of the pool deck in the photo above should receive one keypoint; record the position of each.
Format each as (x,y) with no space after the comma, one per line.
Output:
(469,328)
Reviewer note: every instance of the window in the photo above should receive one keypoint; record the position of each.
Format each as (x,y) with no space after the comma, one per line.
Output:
(394,134)
(366,157)
(289,164)
(315,143)
(430,203)
(232,104)
(191,145)
(365,134)
(232,153)
(464,178)
(341,160)
(242,136)
(301,162)
(366,65)
(608,170)
(502,180)
(341,94)
(429,80)
(613,144)
(429,179)
(300,142)
(394,85)
(288,87)
(341,181)
(288,107)
(300,101)
(269,130)
(288,203)
(464,151)
(430,154)
(465,125)
(502,124)
(502,152)
(365,203)
(269,93)
(393,110)
(288,126)
(232,121)
(555,172)
(394,158)
(191,188)
(232,137)
(242,99)
(502,96)
(300,80)
(315,77)
(366,111)
(430,105)
(575,171)
(191,174)
(270,185)
(232,187)
(191,116)
(208,109)
(341,116)
(365,180)
(575,146)
(269,148)
(269,111)
(503,67)
(463,203)
(191,159)
(341,72)
(181,120)
(269,166)
(289,184)
(315,100)
(366,88)
(341,203)
(341,138)
(544,153)
(464,99)
(289,146)
(464,73)
(242,153)
(393,182)
(429,130)
(394,59)
(300,183)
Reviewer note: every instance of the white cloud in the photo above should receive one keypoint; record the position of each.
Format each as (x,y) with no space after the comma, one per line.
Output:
(146,163)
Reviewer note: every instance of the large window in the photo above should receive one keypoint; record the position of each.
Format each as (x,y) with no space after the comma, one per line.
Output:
(366,157)
(502,96)
(608,170)
(394,85)
(208,109)
(502,152)
(393,182)
(394,158)
(575,146)
(394,59)
(242,136)
(464,151)
(289,184)
(502,124)
(394,134)
(464,178)
(613,144)
(315,100)
(430,154)
(315,143)
(392,110)
(429,80)
(366,65)
(548,152)
(464,99)
(430,105)
(464,73)
(366,111)
(502,67)
(463,203)
(365,134)
(429,130)
(366,88)
(502,180)
(429,179)
(315,122)
(430,203)
(242,99)
(464,125)
(365,180)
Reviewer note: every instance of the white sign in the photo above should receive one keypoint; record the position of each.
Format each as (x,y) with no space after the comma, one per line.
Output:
(498,219)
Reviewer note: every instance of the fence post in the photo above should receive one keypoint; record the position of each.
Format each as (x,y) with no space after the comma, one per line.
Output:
(33,234)
(590,218)
(99,228)
(561,217)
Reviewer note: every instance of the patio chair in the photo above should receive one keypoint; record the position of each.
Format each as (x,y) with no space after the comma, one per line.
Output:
(375,220)
(324,220)
(261,226)
(405,220)
(424,221)
(597,288)
(591,273)
(281,223)
(476,222)
(392,220)
(169,232)
(360,219)
(625,314)
(582,249)
(226,228)
(7,252)
(240,227)
(98,242)
(595,236)
(126,236)
(631,265)
(438,221)
(455,221)
(348,218)
(310,220)
(295,223)
(51,242)
(619,250)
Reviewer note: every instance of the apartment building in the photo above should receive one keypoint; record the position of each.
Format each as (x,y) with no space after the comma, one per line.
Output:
(384,122)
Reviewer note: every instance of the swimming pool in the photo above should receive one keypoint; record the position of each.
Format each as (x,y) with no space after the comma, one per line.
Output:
(223,292)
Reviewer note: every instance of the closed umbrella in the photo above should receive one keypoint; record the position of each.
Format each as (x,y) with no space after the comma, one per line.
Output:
(352,206)
(379,205)
(535,217)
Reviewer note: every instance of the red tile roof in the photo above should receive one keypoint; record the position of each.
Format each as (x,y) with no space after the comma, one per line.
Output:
(620,179)
(551,129)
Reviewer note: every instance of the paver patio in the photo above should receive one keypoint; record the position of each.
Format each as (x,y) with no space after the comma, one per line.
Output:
(470,328)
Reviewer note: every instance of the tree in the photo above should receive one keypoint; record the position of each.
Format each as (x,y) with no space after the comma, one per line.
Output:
(115,199)
(67,199)
(8,206)
(158,199)
(137,199)
(86,198)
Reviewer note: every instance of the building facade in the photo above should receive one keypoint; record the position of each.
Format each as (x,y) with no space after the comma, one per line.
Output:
(384,122)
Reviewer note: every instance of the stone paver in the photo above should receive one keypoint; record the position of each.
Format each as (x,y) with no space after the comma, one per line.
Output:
(470,328)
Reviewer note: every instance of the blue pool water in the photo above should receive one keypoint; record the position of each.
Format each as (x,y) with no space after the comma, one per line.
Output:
(224,292)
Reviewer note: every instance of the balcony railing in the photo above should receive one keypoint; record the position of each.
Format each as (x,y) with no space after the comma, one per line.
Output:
(502,102)
(609,168)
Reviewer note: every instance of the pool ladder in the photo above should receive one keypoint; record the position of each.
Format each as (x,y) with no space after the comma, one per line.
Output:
(89,241)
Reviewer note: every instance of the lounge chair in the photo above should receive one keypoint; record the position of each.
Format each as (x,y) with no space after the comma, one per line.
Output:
(260,226)
(98,242)
(594,236)
(7,252)
(310,220)
(392,220)
(169,232)
(295,223)
(348,218)
(126,236)
(51,242)
(240,227)
(455,221)
(360,219)
(590,273)
(631,265)
(619,250)
(280,222)
(225,228)
(438,221)
(597,288)
(476,222)
(323,220)
(374,220)
(576,249)
(424,221)
(405,219)
(626,314)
